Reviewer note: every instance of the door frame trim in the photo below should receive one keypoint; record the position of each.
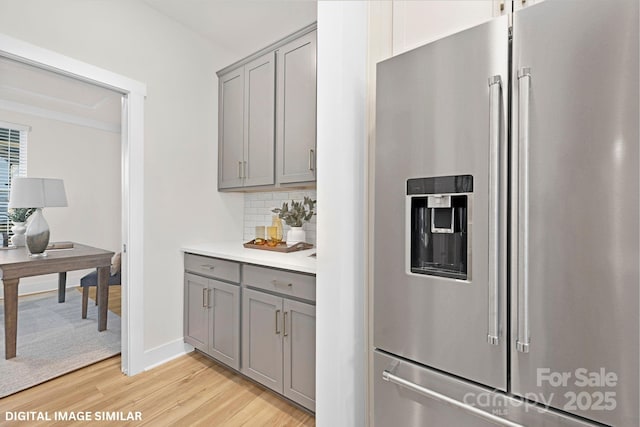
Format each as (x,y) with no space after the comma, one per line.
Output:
(132,181)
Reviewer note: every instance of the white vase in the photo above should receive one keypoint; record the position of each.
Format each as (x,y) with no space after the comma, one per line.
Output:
(296,235)
(19,228)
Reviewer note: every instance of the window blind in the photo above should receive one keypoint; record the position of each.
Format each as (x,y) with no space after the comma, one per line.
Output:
(13,156)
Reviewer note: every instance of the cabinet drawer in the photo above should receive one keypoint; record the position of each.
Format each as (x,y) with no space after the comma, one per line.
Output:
(212,267)
(283,282)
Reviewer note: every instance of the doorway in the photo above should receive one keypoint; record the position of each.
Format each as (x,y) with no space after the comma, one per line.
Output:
(132,164)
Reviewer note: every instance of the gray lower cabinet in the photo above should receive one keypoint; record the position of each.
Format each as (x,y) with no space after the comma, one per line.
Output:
(279,332)
(212,308)
(271,314)
(196,311)
(212,318)
(224,306)
(262,318)
(299,334)
(279,345)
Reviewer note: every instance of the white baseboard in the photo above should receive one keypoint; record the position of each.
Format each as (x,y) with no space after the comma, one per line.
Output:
(163,353)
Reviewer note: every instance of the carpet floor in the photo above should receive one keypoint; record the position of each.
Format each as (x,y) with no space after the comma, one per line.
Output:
(53,339)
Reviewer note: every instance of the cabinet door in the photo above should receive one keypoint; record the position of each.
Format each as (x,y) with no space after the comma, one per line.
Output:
(299,332)
(262,338)
(296,117)
(259,136)
(225,323)
(230,128)
(196,312)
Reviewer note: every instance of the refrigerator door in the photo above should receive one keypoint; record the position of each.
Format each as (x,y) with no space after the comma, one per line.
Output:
(441,112)
(575,208)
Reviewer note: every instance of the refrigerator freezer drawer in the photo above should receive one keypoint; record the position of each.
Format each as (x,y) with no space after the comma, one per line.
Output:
(408,394)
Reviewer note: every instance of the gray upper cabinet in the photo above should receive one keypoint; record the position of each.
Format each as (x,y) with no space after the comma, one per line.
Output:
(246,120)
(231,129)
(267,116)
(259,121)
(296,110)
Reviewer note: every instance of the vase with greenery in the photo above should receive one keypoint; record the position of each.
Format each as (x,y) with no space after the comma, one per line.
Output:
(19,218)
(295,217)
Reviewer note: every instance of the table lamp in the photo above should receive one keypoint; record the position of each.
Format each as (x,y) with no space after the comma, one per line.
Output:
(37,193)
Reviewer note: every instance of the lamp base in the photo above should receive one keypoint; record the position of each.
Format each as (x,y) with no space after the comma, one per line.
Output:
(40,255)
(37,234)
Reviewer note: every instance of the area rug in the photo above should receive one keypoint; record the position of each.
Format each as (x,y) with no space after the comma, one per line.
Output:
(53,339)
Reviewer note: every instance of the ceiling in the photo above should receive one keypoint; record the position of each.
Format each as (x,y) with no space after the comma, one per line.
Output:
(31,90)
(240,27)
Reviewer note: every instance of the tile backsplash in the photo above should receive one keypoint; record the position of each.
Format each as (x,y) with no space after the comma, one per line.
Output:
(257,211)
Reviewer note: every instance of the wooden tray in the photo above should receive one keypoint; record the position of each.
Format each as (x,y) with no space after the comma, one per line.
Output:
(280,247)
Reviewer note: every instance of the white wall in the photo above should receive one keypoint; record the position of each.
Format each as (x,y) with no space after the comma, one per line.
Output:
(181,202)
(418,22)
(88,160)
(342,138)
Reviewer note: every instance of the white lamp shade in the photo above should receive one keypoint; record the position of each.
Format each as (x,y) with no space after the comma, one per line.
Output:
(54,194)
(37,193)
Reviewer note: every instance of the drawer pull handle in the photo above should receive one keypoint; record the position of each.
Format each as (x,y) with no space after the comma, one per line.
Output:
(210,267)
(277,316)
(472,410)
(277,283)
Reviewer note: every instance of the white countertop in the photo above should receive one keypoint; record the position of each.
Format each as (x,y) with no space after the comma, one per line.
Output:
(234,251)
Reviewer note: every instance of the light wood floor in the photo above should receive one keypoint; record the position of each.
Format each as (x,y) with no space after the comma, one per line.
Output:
(191,390)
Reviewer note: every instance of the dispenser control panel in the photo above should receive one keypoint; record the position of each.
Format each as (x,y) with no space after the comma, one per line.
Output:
(438,225)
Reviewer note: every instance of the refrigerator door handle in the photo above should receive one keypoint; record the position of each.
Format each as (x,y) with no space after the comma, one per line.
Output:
(495,91)
(388,376)
(524,84)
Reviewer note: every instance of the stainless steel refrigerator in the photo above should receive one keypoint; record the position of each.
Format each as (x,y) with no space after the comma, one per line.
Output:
(506,236)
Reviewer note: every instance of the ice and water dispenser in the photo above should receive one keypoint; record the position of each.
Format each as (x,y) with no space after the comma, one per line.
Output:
(438,225)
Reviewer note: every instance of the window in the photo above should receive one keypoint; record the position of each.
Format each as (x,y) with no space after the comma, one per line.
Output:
(13,162)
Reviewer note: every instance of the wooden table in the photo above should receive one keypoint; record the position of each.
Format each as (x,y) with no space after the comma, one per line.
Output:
(16,264)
